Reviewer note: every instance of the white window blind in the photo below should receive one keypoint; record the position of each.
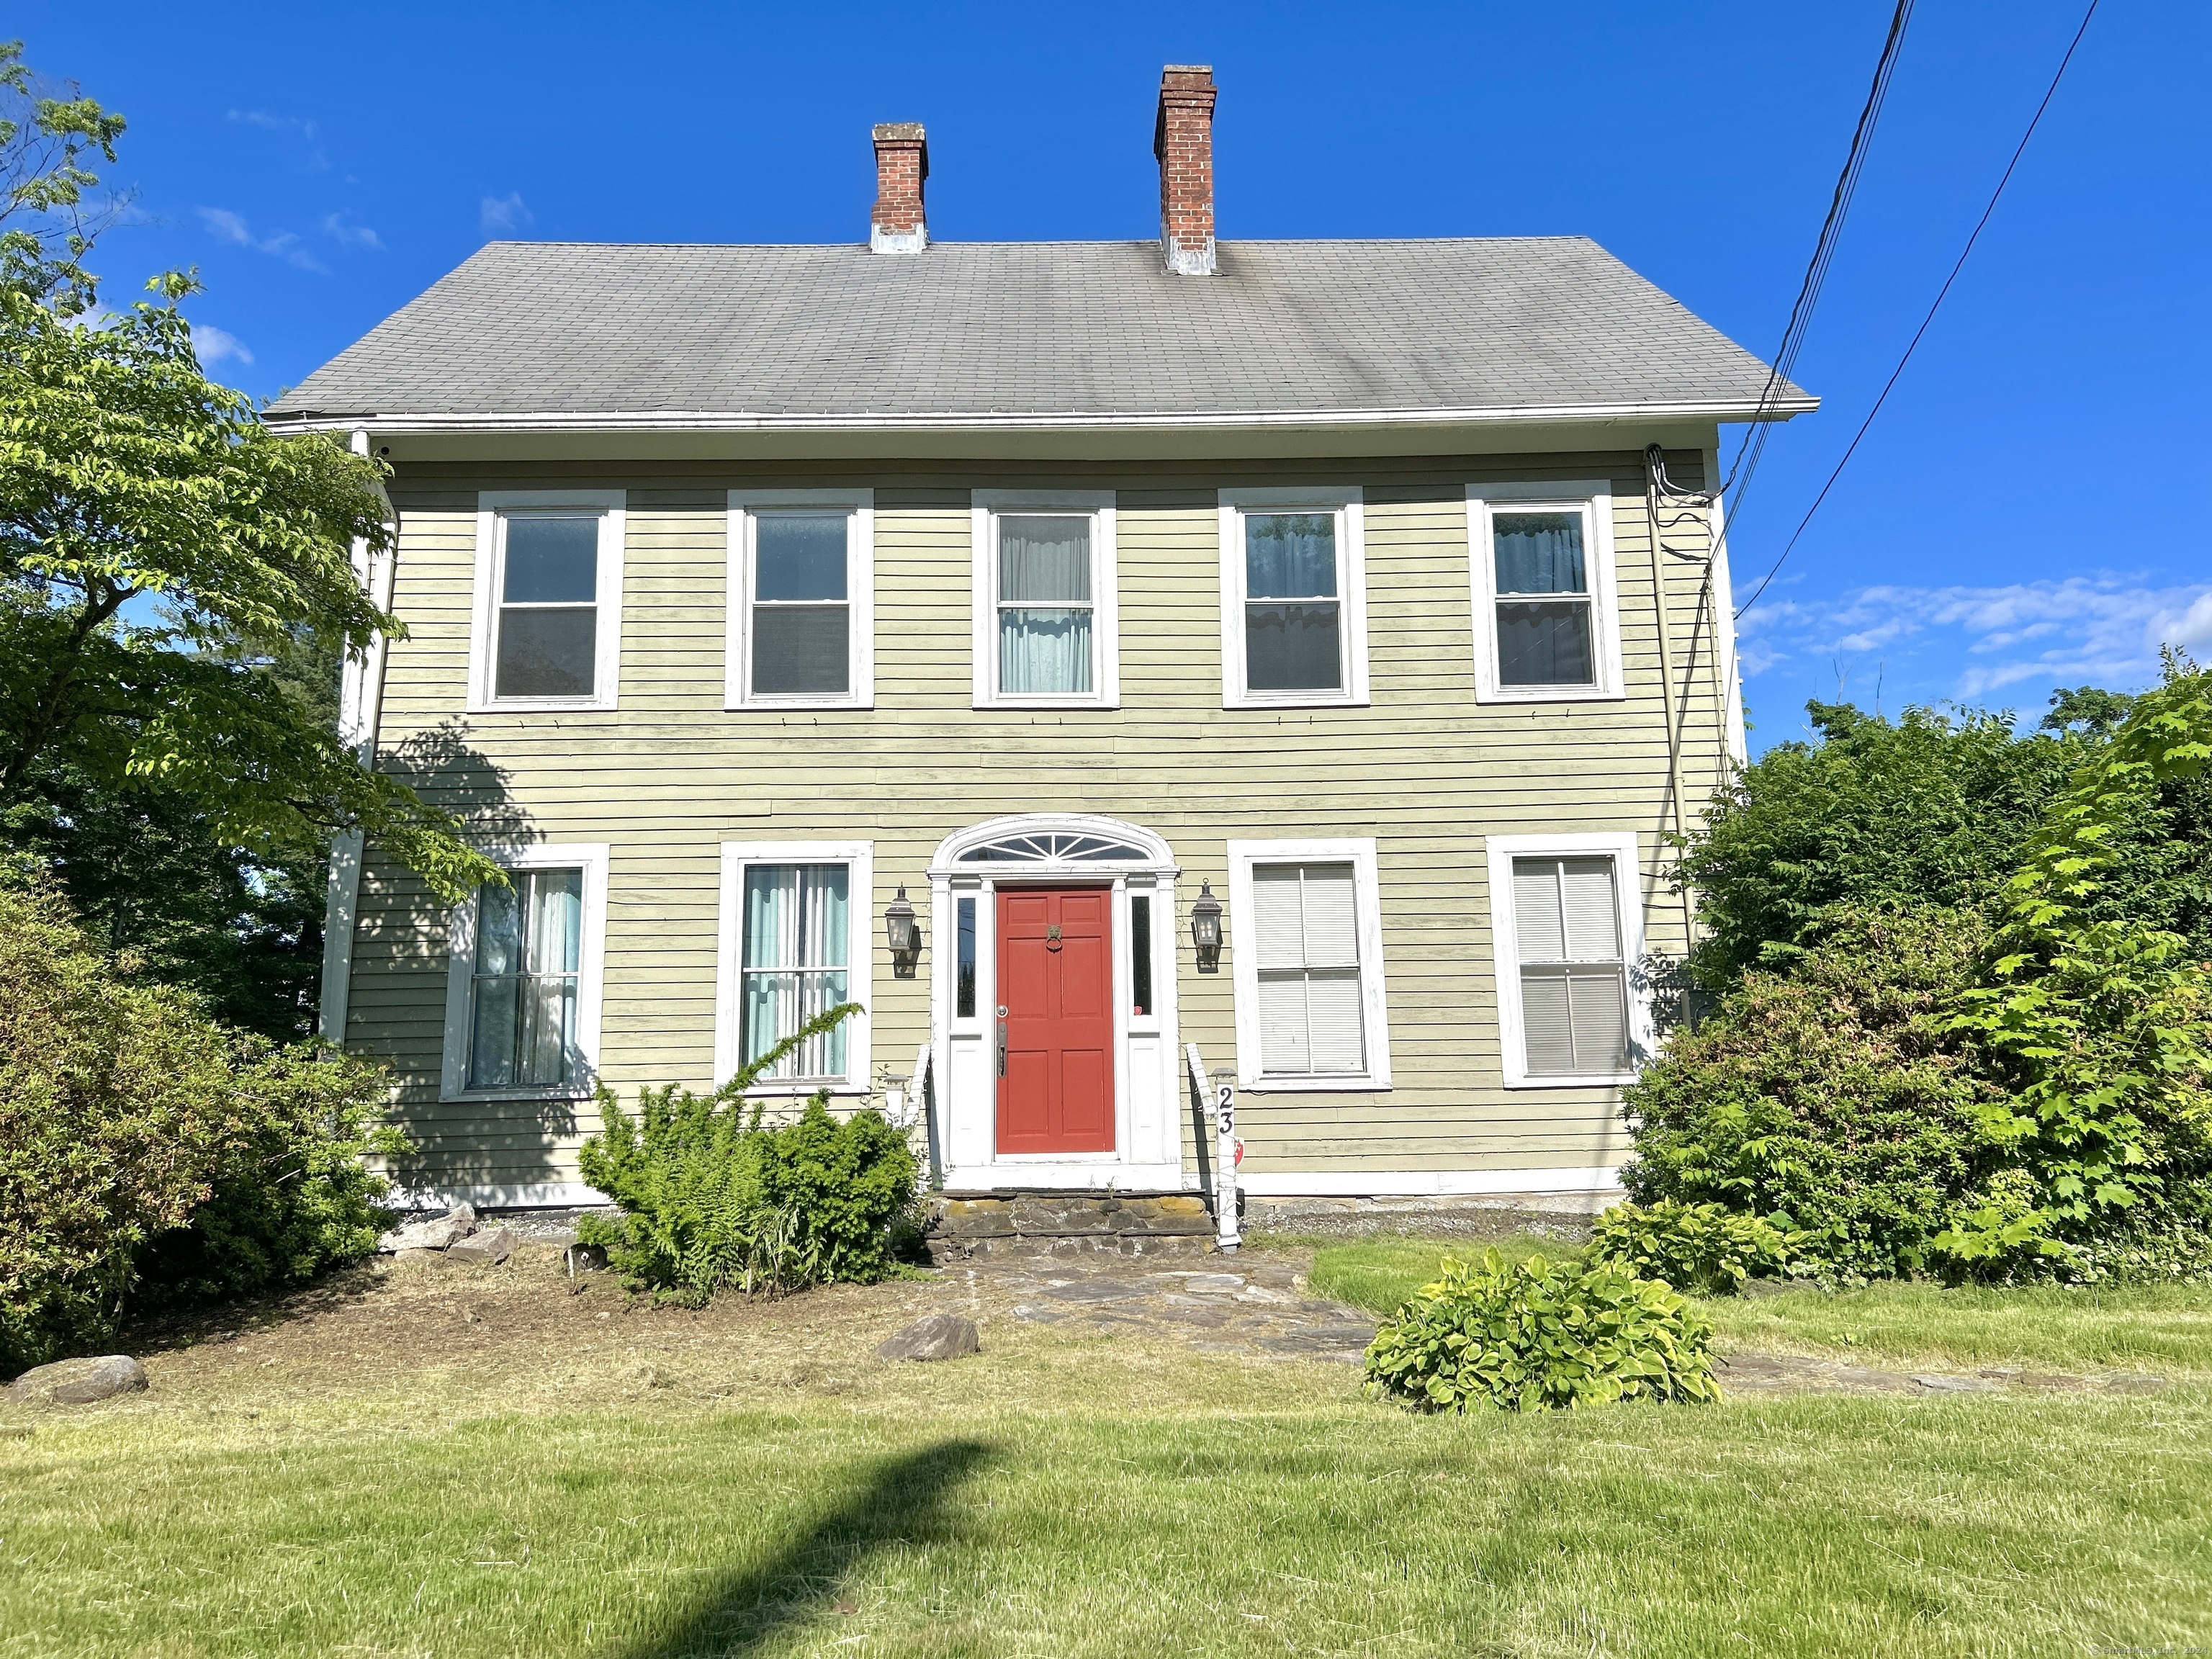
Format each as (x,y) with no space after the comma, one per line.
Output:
(1574,999)
(1305,927)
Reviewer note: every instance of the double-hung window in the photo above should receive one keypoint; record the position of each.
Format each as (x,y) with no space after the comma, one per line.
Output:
(1293,598)
(523,991)
(1567,923)
(1307,959)
(801,579)
(795,940)
(1541,571)
(547,612)
(1045,628)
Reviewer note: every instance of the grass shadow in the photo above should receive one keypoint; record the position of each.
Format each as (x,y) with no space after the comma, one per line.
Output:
(902,1502)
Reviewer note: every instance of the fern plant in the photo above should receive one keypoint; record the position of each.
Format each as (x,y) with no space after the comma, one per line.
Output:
(711,1199)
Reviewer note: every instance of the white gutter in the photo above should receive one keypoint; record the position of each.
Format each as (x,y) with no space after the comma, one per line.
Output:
(713,421)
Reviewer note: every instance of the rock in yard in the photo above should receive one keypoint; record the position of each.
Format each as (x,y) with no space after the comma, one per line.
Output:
(492,1246)
(78,1381)
(941,1336)
(435,1234)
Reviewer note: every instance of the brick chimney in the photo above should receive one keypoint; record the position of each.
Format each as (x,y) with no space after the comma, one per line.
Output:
(1182,139)
(902,163)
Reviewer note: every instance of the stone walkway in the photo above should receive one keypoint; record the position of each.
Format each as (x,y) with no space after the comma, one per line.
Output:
(1225,1306)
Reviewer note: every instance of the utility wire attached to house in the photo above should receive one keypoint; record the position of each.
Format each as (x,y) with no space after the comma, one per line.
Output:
(1980,224)
(1816,271)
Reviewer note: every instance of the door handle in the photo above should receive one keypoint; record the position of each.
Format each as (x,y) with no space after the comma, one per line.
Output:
(1002,1047)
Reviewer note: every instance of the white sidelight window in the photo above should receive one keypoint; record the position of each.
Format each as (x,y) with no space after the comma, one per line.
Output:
(1307,959)
(1566,916)
(795,940)
(523,987)
(801,611)
(547,632)
(1541,569)
(1045,629)
(1293,598)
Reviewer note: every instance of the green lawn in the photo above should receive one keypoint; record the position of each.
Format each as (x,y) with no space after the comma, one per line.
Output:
(1063,1493)
(2163,1329)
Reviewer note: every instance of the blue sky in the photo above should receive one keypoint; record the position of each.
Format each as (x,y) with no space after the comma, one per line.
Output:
(2022,515)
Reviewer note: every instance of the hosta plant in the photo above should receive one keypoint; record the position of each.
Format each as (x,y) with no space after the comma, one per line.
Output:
(1539,1334)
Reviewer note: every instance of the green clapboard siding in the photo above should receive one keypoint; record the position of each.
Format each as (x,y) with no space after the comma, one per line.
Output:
(671,774)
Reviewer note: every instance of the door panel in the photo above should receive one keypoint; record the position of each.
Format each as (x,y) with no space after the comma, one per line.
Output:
(1055,1090)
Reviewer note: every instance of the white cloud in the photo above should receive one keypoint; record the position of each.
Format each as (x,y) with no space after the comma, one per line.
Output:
(281,245)
(499,214)
(1966,643)
(346,235)
(299,135)
(214,344)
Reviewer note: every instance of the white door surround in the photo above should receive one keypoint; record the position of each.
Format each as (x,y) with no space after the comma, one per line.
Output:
(1055,848)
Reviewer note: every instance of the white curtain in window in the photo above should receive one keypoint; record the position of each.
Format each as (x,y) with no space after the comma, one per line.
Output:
(523,1019)
(1574,1002)
(1044,605)
(1305,930)
(797,918)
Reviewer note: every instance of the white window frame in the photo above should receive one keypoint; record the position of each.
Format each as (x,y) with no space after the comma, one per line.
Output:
(592,858)
(860,596)
(860,959)
(984,507)
(492,507)
(1505,950)
(1348,503)
(1244,964)
(1593,498)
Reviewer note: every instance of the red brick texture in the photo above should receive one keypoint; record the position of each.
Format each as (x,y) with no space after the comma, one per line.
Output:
(901,164)
(1182,139)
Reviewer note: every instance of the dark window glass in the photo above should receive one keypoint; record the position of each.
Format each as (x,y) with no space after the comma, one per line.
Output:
(1546,644)
(548,620)
(801,650)
(963,1005)
(801,625)
(1293,620)
(551,561)
(801,556)
(547,653)
(1140,955)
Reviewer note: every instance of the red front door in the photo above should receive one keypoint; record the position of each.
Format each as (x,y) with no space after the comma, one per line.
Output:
(1055,1020)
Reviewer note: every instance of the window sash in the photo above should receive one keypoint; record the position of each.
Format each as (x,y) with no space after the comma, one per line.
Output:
(798,647)
(795,957)
(524,981)
(545,647)
(1293,605)
(1571,969)
(1047,642)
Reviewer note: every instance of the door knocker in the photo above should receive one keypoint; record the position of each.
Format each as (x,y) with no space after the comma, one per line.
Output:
(1052,936)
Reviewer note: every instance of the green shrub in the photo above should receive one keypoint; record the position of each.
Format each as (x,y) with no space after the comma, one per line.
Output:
(1535,1333)
(1839,1099)
(124,1110)
(1704,1247)
(711,1199)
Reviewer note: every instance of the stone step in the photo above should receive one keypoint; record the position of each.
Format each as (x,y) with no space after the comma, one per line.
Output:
(963,1226)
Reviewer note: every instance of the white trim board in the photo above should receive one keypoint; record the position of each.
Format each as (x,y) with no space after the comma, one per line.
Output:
(984,509)
(1593,498)
(1621,847)
(860,856)
(591,857)
(1244,964)
(612,505)
(860,596)
(1429,1183)
(1348,503)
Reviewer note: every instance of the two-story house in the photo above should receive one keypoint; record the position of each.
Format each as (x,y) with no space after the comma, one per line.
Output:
(1072,590)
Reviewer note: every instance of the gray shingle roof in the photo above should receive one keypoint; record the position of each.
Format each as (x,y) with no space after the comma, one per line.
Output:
(1049,330)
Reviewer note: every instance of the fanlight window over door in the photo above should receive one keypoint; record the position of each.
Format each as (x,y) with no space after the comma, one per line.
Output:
(1051,848)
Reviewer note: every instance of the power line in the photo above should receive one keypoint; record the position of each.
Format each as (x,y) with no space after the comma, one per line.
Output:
(1823,253)
(2018,151)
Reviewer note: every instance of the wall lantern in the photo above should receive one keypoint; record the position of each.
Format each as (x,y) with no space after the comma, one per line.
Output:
(904,934)
(1206,929)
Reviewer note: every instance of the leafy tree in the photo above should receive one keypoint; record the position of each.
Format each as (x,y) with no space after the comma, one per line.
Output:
(126,474)
(46,226)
